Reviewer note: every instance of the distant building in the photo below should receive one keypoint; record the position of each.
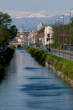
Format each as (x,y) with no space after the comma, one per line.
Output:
(32,37)
(48,33)
(40,38)
(22,37)
(40,26)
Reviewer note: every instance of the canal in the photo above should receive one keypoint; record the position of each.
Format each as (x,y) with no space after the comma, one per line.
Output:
(29,86)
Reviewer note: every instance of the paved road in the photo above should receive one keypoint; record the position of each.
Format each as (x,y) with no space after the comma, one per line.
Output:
(64,54)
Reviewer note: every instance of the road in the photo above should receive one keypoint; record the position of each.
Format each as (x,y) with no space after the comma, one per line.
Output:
(64,54)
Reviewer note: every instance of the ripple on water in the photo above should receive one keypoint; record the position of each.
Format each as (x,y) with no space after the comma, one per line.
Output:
(42,89)
(32,68)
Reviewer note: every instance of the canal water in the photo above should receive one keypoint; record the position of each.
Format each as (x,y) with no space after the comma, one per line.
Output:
(29,86)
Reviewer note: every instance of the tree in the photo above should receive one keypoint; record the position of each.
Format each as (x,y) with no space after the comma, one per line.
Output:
(12,31)
(7,31)
(4,34)
(5,19)
(60,31)
(41,30)
(71,31)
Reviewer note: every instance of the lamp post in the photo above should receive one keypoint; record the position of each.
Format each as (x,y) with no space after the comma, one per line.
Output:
(28,40)
(58,20)
(70,31)
(55,36)
(63,35)
(62,17)
(48,39)
(70,15)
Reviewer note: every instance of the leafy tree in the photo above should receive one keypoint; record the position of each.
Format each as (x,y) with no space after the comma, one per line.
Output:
(4,34)
(71,31)
(7,31)
(5,19)
(12,31)
(41,30)
(58,35)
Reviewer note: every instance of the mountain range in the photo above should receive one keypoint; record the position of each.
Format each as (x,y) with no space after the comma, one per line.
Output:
(30,20)
(31,23)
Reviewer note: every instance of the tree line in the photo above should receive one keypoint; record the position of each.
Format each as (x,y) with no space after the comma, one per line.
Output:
(7,30)
(63,33)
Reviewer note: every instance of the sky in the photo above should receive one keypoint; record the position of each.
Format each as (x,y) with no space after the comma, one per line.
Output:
(40,7)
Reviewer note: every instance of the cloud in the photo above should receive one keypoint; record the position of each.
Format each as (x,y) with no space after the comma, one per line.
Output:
(26,14)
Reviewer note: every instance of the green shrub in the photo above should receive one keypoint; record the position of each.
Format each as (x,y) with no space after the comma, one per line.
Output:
(5,58)
(63,65)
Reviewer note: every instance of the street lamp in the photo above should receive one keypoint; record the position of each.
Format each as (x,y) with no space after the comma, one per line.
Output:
(70,15)
(58,21)
(62,17)
(28,40)
(48,39)
(70,31)
(55,36)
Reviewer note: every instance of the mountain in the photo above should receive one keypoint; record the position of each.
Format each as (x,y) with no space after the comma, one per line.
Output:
(31,23)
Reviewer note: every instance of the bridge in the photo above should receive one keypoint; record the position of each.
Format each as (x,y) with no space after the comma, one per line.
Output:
(19,41)
(17,44)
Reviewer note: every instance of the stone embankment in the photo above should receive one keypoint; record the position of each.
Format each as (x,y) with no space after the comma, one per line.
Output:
(63,68)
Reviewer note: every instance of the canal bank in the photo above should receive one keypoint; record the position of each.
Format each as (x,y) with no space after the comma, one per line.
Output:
(63,68)
(5,58)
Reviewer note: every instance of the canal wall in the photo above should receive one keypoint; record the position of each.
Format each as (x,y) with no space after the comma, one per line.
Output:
(5,58)
(63,68)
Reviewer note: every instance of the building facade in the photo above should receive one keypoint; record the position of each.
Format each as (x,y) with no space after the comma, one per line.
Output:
(40,26)
(48,35)
(32,37)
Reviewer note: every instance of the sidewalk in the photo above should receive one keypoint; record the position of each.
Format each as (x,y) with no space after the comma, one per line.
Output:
(63,53)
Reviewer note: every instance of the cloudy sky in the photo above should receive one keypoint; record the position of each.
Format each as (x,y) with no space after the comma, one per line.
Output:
(35,8)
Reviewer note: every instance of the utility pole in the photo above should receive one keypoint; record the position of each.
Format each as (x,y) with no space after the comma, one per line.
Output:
(70,35)
(70,14)
(55,37)
(62,16)
(70,32)
(58,19)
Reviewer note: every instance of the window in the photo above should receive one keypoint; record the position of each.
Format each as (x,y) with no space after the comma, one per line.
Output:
(48,35)
(48,39)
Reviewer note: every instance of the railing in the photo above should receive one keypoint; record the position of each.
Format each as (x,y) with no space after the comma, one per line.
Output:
(66,54)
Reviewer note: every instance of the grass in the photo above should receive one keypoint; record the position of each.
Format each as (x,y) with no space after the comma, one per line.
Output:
(63,65)
(39,55)
(60,64)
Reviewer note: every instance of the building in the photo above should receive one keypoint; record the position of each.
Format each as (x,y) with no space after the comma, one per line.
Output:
(40,26)
(48,33)
(23,36)
(40,38)
(32,37)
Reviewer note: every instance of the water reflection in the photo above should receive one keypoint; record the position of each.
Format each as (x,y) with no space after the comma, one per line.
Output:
(32,68)
(2,76)
(29,86)
(11,67)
